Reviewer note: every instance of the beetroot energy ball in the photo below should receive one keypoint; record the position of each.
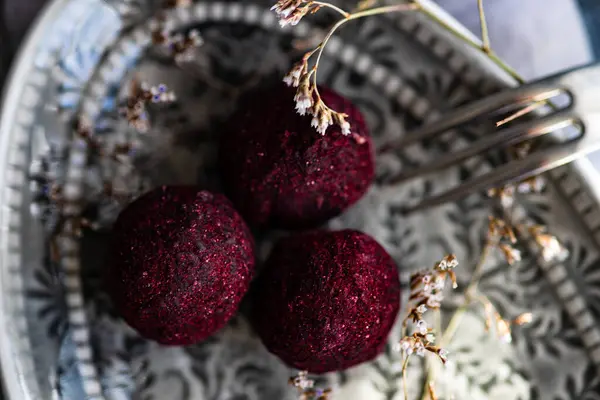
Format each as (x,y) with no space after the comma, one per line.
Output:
(326,301)
(181,261)
(279,171)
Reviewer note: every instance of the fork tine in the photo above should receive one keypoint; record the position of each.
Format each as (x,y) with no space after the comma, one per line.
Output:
(473,110)
(534,164)
(503,137)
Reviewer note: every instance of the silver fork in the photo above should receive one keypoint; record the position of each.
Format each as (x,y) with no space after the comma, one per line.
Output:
(582,85)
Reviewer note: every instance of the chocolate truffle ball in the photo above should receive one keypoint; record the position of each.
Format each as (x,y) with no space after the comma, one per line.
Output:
(326,301)
(280,172)
(181,260)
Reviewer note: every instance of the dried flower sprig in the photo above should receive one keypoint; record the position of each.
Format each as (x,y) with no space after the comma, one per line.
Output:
(304,77)
(290,12)
(426,292)
(181,47)
(50,202)
(119,152)
(306,389)
(550,246)
(141,94)
(495,321)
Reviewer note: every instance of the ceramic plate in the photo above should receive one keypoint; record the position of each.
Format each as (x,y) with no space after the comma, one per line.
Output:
(59,337)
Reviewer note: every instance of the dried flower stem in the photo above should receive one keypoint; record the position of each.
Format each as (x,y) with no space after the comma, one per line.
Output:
(349,17)
(471,42)
(404,379)
(333,7)
(431,391)
(485,38)
(360,14)
(520,113)
(458,315)
(469,293)
(485,48)
(303,77)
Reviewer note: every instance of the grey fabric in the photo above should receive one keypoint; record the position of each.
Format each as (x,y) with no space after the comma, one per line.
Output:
(536,37)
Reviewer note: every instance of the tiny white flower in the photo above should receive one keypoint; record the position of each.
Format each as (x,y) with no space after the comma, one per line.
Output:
(323,123)
(345,128)
(538,183)
(440,282)
(307,383)
(435,300)
(421,309)
(438,296)
(516,254)
(426,278)
(422,326)
(443,265)
(430,337)
(303,103)
(288,80)
(297,72)
(314,122)
(419,349)
(507,199)
(177,38)
(406,345)
(287,12)
(427,289)
(506,338)
(433,303)
(552,249)
(524,187)
(443,353)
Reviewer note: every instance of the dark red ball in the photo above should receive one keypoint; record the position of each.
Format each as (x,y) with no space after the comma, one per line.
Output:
(326,301)
(181,261)
(279,171)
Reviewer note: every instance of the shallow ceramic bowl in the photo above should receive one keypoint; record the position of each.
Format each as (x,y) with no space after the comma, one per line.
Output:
(59,338)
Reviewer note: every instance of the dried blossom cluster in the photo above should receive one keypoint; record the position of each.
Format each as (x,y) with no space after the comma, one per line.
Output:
(180,47)
(308,100)
(119,152)
(427,292)
(50,203)
(290,12)
(551,248)
(506,194)
(305,387)
(141,94)
(501,233)
(501,326)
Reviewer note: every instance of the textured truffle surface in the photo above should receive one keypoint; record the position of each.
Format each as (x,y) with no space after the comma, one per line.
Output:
(181,261)
(326,301)
(279,171)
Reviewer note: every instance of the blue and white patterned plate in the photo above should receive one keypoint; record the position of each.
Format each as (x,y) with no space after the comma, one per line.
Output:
(59,337)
